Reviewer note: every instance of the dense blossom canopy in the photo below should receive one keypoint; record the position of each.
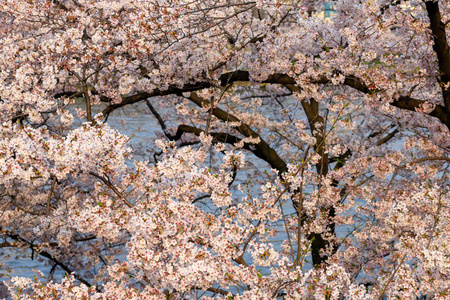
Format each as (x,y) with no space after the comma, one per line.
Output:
(299,157)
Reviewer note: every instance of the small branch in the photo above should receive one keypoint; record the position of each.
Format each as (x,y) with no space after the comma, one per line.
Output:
(108,183)
(200,198)
(158,117)
(213,290)
(426,159)
(410,163)
(41,213)
(50,257)
(387,138)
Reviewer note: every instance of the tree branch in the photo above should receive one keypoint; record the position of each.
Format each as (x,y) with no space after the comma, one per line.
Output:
(441,47)
(157,92)
(262,149)
(403,102)
(387,138)
(113,188)
(50,257)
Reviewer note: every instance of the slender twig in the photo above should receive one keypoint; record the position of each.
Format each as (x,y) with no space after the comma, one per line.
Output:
(108,183)
(383,290)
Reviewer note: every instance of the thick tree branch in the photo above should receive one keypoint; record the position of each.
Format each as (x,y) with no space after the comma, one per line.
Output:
(225,79)
(144,95)
(441,47)
(262,149)
(403,102)
(240,75)
(317,126)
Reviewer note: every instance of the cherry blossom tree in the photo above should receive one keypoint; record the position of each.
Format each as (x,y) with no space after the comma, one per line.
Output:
(299,157)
